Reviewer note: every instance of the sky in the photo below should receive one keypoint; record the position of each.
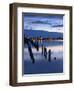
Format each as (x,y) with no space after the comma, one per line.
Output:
(43,22)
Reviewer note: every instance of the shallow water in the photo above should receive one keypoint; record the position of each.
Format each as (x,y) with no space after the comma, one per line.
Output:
(55,66)
(42,65)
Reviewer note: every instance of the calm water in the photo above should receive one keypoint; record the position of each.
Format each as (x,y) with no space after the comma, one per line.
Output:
(42,65)
(49,43)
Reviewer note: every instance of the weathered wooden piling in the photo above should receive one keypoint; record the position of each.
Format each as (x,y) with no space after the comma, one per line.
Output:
(45,52)
(49,55)
(42,50)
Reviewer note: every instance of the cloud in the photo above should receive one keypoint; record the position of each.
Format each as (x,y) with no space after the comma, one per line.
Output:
(42,22)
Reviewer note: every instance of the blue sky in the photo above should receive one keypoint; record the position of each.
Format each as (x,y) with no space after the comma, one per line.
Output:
(42,22)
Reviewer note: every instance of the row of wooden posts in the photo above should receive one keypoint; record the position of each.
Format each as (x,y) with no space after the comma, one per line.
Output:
(45,53)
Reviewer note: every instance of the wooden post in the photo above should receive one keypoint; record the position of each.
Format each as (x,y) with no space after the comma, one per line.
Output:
(42,50)
(45,52)
(49,55)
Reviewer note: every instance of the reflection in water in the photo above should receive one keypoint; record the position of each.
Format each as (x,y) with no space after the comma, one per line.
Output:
(41,64)
(28,41)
